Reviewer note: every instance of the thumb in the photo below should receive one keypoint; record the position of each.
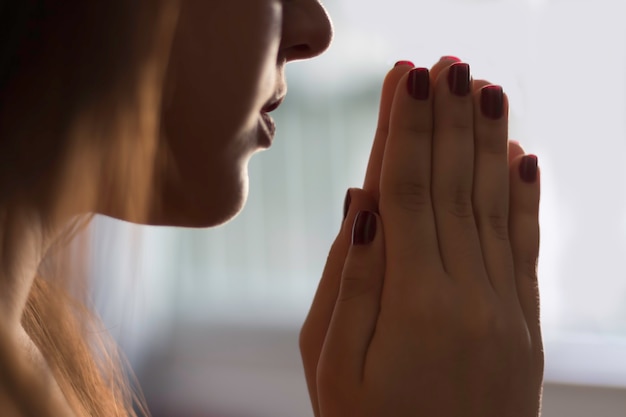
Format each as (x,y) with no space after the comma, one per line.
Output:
(356,312)
(315,327)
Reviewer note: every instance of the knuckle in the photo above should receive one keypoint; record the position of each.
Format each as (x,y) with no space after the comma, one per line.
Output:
(494,144)
(504,331)
(459,204)
(356,284)
(483,326)
(457,125)
(409,195)
(461,126)
(417,129)
(497,224)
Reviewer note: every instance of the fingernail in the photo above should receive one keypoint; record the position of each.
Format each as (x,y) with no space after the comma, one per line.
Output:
(408,63)
(346,204)
(364,229)
(418,83)
(492,101)
(450,58)
(459,79)
(528,168)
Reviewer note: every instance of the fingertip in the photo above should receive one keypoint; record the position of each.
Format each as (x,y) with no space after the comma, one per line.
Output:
(390,83)
(525,178)
(374,166)
(404,63)
(361,199)
(443,63)
(346,204)
(450,58)
(529,169)
(364,228)
(398,69)
(356,200)
(515,150)
(526,166)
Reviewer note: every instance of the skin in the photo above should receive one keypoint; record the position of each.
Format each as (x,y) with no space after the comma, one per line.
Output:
(439,306)
(205,181)
(361,342)
(214,92)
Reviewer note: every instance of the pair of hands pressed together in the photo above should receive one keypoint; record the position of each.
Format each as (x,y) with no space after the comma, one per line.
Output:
(428,304)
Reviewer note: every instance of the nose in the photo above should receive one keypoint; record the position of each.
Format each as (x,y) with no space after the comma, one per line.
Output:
(307,29)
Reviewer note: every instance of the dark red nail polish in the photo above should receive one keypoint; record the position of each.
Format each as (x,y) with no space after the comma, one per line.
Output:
(364,229)
(492,102)
(450,58)
(418,83)
(528,168)
(346,204)
(459,79)
(408,63)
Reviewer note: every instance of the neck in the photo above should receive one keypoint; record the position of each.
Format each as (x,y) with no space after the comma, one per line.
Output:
(24,241)
(22,246)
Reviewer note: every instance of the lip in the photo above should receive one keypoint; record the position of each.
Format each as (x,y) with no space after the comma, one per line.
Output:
(268,126)
(273,104)
(268,129)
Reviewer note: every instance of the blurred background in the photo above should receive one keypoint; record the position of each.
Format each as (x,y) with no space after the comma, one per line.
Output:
(210,318)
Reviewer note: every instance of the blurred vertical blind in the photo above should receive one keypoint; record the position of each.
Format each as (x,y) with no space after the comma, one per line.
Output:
(563,66)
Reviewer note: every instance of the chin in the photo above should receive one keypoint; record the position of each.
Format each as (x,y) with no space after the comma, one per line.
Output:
(226,209)
(201,205)
(225,204)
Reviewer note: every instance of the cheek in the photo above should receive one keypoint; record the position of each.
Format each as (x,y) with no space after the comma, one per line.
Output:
(214,92)
(226,68)
(221,73)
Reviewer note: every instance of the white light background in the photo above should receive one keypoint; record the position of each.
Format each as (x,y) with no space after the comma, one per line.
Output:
(563,65)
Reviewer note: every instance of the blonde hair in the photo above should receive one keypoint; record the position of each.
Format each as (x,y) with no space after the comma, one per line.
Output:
(80,90)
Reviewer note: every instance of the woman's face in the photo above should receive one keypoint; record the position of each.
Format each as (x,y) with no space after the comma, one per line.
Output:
(226,71)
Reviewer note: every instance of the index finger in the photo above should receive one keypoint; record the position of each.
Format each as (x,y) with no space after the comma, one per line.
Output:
(444,62)
(405,203)
(372,175)
(374,166)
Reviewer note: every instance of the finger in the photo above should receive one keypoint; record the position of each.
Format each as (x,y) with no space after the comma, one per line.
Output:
(313,332)
(372,175)
(515,150)
(443,63)
(405,195)
(491,186)
(453,173)
(524,229)
(356,312)
(479,84)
